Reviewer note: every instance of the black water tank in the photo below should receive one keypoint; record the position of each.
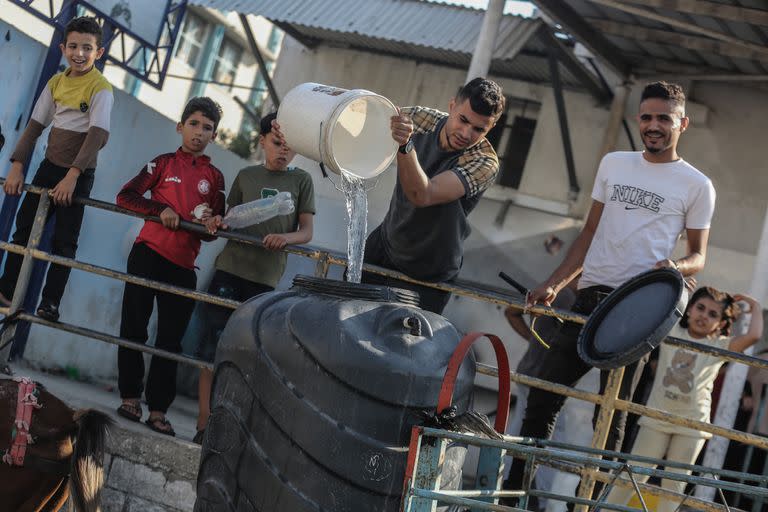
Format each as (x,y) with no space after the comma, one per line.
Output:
(314,395)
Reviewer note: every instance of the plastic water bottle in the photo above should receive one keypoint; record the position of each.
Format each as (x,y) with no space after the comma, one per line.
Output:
(258,211)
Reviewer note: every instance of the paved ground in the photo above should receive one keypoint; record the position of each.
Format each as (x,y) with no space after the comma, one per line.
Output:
(182,414)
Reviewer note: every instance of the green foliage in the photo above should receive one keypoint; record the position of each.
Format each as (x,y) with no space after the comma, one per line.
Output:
(241,144)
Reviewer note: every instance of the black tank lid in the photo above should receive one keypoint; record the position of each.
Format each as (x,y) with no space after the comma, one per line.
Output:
(347,290)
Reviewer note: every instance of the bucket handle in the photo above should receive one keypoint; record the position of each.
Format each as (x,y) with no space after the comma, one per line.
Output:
(451,372)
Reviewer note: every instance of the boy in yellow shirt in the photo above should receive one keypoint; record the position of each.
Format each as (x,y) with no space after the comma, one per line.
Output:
(78,102)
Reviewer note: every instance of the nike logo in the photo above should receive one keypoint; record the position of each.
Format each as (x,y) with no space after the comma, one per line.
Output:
(631,207)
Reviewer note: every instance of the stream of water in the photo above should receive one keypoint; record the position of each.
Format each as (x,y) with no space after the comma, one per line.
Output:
(357,223)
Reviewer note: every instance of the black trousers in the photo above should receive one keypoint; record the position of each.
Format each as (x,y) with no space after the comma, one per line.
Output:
(228,286)
(430,299)
(65,234)
(173,314)
(562,365)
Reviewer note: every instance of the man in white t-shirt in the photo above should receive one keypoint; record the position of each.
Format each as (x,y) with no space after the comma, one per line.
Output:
(642,201)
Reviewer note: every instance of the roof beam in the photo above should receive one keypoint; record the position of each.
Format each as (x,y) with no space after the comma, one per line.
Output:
(566,57)
(578,27)
(714,34)
(289,29)
(652,35)
(724,77)
(711,9)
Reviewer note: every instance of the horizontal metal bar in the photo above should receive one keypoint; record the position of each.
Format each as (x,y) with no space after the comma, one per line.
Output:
(121,276)
(624,405)
(456,500)
(484,493)
(607,478)
(545,454)
(728,355)
(115,340)
(581,501)
(734,435)
(639,458)
(546,385)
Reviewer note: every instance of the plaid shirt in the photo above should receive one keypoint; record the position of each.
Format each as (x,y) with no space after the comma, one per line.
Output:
(477,167)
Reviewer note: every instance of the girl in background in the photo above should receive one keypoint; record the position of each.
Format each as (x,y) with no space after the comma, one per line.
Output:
(683,384)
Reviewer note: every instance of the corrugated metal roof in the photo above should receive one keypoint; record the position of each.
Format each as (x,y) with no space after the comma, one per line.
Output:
(690,38)
(440,33)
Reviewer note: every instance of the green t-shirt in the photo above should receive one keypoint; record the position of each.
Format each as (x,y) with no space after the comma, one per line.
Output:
(258,264)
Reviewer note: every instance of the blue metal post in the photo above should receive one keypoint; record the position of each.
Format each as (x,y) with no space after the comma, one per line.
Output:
(107,36)
(490,470)
(430,458)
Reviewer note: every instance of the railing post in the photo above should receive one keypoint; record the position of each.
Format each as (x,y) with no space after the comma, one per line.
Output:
(322,266)
(25,273)
(429,459)
(602,428)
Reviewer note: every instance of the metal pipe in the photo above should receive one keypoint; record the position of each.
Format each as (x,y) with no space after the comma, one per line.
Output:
(624,405)
(120,342)
(602,429)
(486,40)
(25,273)
(122,276)
(259,58)
(562,117)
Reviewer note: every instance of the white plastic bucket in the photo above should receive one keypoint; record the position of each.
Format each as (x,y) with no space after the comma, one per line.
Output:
(347,130)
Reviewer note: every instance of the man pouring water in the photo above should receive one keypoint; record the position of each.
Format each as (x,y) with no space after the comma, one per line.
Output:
(444,164)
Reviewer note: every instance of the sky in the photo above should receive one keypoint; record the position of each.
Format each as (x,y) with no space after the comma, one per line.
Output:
(518,7)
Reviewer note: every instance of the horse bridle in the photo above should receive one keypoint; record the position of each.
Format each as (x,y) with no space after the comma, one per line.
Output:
(17,455)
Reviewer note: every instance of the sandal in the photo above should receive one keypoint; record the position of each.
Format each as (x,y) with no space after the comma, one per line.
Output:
(161,425)
(130,411)
(198,439)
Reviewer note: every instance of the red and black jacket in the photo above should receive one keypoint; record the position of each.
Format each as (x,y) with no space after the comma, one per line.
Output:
(180,181)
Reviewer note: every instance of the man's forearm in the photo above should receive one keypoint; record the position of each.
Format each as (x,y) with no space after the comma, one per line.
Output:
(413,179)
(691,264)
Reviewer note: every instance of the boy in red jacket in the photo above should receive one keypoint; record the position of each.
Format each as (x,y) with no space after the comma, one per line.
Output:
(179,183)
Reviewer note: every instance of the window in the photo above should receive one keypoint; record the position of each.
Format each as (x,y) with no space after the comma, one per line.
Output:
(226,63)
(192,39)
(512,137)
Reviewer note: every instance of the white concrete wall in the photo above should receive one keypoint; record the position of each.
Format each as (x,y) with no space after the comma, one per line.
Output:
(137,134)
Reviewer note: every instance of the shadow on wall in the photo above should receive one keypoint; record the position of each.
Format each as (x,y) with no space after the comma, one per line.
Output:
(528,260)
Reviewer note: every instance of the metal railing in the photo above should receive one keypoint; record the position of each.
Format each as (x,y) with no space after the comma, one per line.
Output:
(608,401)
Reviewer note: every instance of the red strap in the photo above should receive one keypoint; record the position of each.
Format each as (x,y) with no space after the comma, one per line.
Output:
(502,360)
(25,404)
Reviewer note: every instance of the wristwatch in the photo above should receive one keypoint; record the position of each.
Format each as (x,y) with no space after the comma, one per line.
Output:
(407,147)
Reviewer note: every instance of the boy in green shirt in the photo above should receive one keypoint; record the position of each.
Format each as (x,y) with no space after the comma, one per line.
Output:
(242,270)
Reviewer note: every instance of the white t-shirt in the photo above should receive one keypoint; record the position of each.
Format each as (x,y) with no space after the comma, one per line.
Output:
(647,206)
(683,383)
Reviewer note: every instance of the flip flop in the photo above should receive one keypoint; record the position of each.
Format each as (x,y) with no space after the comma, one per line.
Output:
(152,424)
(130,412)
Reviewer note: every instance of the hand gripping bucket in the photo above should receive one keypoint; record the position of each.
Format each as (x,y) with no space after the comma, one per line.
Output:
(347,130)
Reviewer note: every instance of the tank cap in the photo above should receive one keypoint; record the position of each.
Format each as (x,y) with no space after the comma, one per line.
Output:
(346,290)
